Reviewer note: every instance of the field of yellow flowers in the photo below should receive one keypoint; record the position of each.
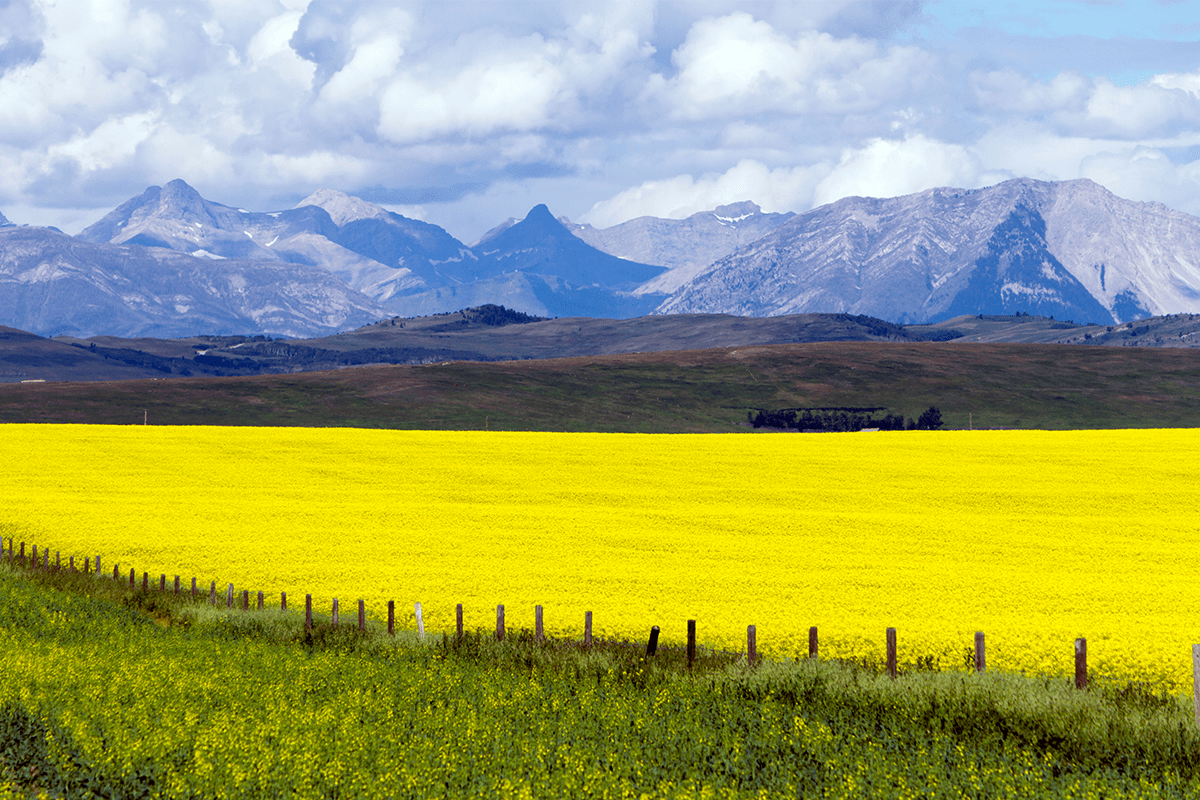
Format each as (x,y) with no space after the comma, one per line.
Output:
(1035,538)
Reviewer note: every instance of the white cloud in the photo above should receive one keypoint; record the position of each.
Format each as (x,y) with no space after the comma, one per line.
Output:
(885,168)
(1145,173)
(738,65)
(780,189)
(1094,107)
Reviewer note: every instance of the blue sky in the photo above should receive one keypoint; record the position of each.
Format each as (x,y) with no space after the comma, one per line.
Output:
(467,113)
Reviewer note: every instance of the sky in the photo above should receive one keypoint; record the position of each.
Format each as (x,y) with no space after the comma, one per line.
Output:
(466,113)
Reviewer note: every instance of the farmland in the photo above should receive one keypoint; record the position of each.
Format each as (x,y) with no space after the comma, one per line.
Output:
(1035,538)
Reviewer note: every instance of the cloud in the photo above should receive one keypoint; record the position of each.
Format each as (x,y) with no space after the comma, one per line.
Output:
(780,189)
(738,65)
(1163,105)
(885,168)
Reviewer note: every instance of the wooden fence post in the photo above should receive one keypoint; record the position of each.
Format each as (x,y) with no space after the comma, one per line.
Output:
(229,596)
(308,612)
(283,601)
(116,572)
(1196,680)
(391,617)
(691,647)
(212,593)
(162,583)
(260,600)
(538,633)
(812,642)
(420,622)
(652,645)
(22,553)
(145,581)
(85,563)
(57,560)
(500,623)
(245,599)
(132,578)
(458,620)
(193,588)
(334,619)
(980,653)
(362,615)
(176,585)
(891,652)
(1081,676)
(587,629)
(45,558)
(72,567)
(751,645)
(96,561)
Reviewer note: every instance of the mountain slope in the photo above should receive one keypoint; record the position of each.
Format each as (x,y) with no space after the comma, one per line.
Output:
(51,283)
(685,246)
(538,266)
(1022,245)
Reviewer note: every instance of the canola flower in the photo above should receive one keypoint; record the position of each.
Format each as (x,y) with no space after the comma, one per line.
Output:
(1033,537)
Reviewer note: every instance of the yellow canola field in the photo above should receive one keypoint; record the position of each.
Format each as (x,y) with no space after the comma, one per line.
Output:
(1033,537)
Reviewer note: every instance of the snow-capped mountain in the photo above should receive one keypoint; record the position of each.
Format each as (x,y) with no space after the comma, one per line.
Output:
(685,246)
(51,283)
(1068,249)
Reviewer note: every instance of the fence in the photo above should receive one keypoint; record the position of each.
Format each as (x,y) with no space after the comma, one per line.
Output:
(752,656)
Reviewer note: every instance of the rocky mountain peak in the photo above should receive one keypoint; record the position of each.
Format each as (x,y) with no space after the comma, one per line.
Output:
(5,223)
(737,211)
(343,208)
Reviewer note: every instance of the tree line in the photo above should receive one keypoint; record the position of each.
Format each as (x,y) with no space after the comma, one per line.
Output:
(841,420)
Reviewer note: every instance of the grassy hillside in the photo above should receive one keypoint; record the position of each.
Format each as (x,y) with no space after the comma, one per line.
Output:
(981,385)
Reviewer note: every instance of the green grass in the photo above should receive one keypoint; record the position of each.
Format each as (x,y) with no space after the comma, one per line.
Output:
(979,385)
(106,691)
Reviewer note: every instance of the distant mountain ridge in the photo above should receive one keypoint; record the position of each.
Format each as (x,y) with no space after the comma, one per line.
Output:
(1069,249)
(686,246)
(184,264)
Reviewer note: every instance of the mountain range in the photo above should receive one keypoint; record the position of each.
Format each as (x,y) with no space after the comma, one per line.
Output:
(170,263)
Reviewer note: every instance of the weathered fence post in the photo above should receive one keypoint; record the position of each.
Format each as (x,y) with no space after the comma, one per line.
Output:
(260,600)
(308,612)
(35,557)
(891,652)
(1196,680)
(391,617)
(57,560)
(212,593)
(652,645)
(691,647)
(132,578)
(500,623)
(458,620)
(45,558)
(96,561)
(145,581)
(72,567)
(751,645)
(193,588)
(22,553)
(980,653)
(334,618)
(587,629)
(229,596)
(176,585)
(245,599)
(362,615)
(812,642)
(420,622)
(85,563)
(538,633)
(1081,676)
(162,583)
(116,572)
(283,601)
